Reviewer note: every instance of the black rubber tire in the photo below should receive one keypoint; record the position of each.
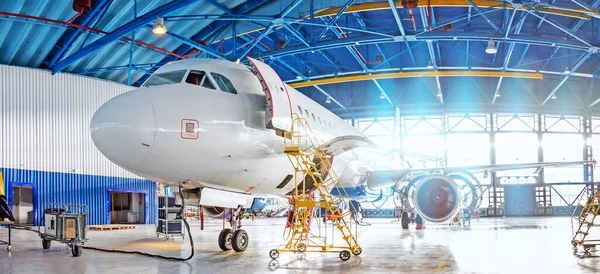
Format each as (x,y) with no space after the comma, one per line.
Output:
(274,254)
(225,239)
(404,220)
(239,240)
(345,255)
(46,244)
(357,251)
(76,250)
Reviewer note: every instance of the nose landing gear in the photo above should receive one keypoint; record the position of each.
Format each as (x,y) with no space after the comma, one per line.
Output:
(235,238)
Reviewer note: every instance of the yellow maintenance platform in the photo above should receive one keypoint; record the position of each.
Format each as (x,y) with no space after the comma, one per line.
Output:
(587,233)
(314,178)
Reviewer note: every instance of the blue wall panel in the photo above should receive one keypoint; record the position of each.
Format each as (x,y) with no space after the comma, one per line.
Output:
(91,190)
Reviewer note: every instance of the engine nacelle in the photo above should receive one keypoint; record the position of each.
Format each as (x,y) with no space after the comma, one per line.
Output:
(437,198)
(214,211)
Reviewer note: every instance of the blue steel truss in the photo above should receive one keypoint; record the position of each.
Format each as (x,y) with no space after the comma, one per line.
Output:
(307,40)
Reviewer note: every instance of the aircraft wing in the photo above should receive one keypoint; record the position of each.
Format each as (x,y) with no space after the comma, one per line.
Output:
(395,175)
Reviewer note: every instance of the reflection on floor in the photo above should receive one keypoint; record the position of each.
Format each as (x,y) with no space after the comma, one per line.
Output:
(501,245)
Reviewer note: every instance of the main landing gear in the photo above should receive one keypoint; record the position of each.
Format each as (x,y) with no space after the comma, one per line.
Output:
(234,238)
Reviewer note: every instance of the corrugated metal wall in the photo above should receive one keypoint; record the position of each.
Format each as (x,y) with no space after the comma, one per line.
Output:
(45,140)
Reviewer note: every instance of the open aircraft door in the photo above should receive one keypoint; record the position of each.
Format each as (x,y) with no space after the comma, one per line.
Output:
(279,108)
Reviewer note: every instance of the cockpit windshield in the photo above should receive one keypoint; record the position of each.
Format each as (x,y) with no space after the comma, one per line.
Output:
(165,78)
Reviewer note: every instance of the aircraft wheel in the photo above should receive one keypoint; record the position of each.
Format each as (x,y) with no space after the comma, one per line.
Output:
(345,255)
(357,251)
(274,254)
(301,247)
(225,239)
(46,244)
(404,220)
(77,250)
(239,240)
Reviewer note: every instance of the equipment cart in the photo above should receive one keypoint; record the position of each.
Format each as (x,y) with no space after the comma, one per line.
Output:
(65,223)
(9,227)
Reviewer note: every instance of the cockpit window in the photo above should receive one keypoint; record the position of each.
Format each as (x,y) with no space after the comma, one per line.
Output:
(165,78)
(199,78)
(223,83)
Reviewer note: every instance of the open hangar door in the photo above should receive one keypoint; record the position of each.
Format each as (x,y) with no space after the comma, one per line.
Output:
(23,203)
(127,207)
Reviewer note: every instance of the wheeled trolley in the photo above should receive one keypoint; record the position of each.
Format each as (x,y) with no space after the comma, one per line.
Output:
(8,240)
(65,223)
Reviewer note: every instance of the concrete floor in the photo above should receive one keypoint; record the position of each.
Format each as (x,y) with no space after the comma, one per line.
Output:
(500,245)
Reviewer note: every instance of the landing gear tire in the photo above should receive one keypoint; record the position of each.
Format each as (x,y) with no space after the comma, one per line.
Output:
(345,255)
(225,239)
(46,244)
(239,240)
(301,247)
(357,251)
(274,254)
(76,250)
(404,220)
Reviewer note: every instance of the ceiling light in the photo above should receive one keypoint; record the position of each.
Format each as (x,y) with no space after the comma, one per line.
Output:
(382,95)
(497,93)
(299,77)
(553,95)
(429,66)
(159,26)
(567,70)
(328,100)
(491,48)
(439,94)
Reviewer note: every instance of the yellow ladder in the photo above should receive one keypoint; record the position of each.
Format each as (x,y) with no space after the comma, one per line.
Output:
(312,165)
(585,220)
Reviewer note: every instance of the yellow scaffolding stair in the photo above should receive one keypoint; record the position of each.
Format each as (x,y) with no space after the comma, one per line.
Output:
(310,162)
(585,221)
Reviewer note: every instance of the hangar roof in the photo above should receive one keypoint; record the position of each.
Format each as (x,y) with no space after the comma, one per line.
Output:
(368,57)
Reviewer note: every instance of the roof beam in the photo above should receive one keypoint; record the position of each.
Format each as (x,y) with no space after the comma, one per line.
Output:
(394,9)
(219,6)
(435,36)
(328,95)
(208,31)
(545,9)
(193,44)
(351,49)
(567,75)
(120,31)
(275,22)
(382,91)
(439,73)
(483,15)
(509,52)
(556,25)
(334,19)
(68,37)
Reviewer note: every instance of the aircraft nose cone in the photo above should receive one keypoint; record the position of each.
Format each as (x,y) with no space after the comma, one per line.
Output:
(123,130)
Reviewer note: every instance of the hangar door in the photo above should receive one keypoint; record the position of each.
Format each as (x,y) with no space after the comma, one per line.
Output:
(519,200)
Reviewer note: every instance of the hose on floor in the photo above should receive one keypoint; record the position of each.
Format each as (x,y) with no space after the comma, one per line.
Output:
(179,216)
(187,228)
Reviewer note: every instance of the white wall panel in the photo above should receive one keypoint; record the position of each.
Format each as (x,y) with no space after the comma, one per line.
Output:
(44,123)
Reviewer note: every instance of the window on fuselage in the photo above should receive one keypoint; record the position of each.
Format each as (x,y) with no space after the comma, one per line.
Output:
(165,78)
(223,83)
(199,78)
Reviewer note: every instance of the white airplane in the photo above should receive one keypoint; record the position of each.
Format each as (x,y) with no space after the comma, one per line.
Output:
(215,128)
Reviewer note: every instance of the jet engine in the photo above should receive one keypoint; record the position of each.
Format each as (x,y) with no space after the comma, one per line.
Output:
(213,211)
(437,198)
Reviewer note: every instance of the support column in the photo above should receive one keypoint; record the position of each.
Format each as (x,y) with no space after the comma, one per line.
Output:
(540,137)
(588,170)
(493,161)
